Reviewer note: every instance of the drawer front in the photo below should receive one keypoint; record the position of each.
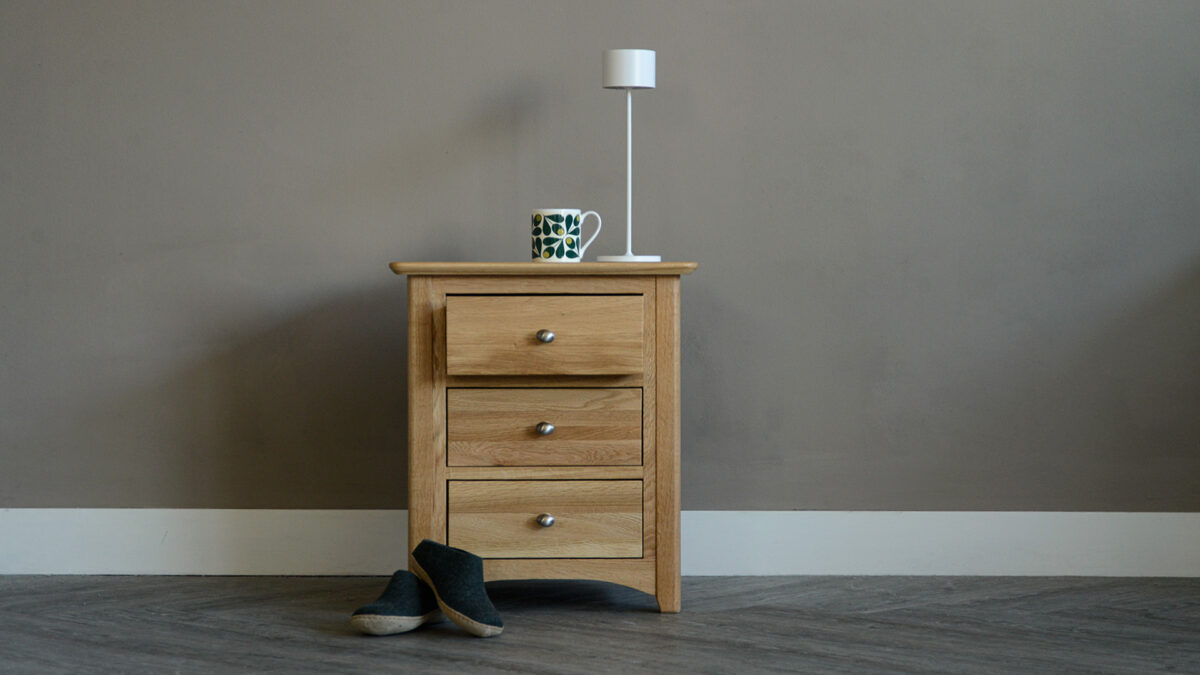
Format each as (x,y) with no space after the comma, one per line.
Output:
(498,334)
(592,518)
(587,427)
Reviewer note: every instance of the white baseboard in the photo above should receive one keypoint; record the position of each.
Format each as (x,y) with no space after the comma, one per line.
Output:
(202,541)
(991,543)
(337,542)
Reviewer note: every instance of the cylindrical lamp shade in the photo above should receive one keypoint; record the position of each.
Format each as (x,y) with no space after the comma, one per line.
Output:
(629,69)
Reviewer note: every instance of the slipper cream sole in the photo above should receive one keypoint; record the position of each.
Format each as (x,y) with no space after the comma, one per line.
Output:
(463,621)
(382,624)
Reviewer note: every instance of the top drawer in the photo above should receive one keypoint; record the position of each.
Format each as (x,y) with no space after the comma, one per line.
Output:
(498,334)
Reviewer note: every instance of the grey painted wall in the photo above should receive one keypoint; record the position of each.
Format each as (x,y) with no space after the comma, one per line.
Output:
(950,251)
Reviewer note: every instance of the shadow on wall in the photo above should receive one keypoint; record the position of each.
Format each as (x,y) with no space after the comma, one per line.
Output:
(315,408)
(308,412)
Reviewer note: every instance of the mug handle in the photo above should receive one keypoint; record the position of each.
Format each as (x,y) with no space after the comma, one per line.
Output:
(599,224)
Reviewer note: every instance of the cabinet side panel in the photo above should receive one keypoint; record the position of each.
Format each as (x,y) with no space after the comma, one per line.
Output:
(667,581)
(426,414)
(649,421)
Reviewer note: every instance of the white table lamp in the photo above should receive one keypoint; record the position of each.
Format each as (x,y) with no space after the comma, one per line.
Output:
(629,69)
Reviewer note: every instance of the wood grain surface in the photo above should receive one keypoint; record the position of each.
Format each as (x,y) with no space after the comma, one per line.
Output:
(667,470)
(498,427)
(497,335)
(636,573)
(593,518)
(426,410)
(619,314)
(555,269)
(543,472)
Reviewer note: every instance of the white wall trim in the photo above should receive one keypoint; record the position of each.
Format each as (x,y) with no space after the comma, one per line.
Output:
(1018,543)
(334,542)
(201,541)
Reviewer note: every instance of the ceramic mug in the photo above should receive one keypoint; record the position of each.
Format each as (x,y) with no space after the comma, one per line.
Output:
(556,235)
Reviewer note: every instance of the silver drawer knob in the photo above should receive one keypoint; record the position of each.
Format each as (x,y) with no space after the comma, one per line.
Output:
(546,336)
(545,429)
(545,520)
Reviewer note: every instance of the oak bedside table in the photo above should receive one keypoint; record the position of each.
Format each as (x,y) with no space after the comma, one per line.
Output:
(543,418)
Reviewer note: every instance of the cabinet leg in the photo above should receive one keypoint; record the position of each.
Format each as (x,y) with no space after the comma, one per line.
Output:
(669,596)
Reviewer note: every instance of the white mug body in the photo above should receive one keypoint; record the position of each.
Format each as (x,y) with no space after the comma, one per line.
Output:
(557,235)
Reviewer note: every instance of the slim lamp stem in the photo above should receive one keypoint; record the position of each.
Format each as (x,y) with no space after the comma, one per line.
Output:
(628,172)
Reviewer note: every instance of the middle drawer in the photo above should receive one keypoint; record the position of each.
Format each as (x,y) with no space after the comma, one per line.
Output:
(544,427)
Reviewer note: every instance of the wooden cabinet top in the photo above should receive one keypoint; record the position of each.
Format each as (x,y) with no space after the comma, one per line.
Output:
(538,269)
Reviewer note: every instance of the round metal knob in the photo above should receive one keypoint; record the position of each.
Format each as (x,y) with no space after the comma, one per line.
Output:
(545,428)
(546,336)
(545,520)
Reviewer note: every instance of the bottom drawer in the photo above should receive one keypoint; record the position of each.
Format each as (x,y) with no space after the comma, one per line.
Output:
(592,518)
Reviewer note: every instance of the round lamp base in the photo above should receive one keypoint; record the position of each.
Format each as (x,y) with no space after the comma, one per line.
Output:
(629,257)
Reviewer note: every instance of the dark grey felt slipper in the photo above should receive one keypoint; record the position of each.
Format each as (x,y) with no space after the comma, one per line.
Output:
(456,577)
(406,603)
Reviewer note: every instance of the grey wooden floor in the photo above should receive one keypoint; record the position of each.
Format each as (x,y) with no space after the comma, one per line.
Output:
(729,625)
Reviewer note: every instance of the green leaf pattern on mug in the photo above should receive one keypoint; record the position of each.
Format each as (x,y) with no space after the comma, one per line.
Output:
(555,236)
